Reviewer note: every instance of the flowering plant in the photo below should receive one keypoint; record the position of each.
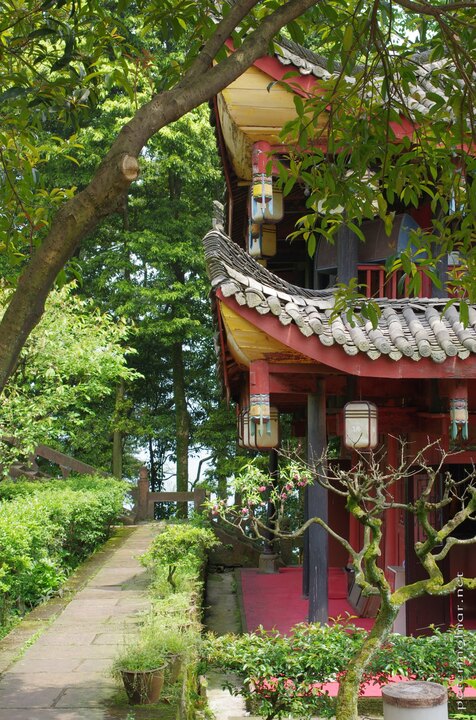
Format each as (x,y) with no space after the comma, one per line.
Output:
(258,491)
(287,674)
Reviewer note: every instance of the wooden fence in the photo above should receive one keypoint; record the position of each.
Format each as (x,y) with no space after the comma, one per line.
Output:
(66,463)
(145,499)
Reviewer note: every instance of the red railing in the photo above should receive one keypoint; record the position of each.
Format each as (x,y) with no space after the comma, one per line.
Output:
(379,285)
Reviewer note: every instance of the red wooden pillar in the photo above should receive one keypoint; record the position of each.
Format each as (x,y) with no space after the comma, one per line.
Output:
(259,379)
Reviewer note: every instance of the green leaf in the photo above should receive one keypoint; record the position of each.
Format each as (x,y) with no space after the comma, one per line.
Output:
(370,311)
(299,105)
(355,228)
(348,38)
(67,55)
(290,183)
(464,313)
(311,245)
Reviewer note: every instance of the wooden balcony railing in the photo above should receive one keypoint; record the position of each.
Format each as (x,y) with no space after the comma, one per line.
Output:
(379,285)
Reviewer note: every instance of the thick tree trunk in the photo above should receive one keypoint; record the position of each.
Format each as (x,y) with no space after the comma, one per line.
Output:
(106,191)
(117,433)
(349,687)
(182,424)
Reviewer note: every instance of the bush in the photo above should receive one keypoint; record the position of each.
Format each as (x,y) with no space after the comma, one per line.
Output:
(285,674)
(47,529)
(179,552)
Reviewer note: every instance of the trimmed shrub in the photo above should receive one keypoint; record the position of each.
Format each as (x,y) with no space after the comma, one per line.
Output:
(284,675)
(46,530)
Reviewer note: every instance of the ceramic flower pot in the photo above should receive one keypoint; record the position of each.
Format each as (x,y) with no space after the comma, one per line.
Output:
(143,687)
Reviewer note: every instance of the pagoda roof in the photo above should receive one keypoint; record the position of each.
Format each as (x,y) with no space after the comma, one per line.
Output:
(417,329)
(428,73)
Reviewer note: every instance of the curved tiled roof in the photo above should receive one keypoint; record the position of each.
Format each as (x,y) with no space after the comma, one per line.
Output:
(412,328)
(418,95)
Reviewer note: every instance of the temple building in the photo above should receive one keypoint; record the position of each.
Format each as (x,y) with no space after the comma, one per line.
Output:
(283,350)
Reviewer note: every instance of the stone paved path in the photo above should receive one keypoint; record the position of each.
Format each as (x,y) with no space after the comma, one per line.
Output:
(222,616)
(64,675)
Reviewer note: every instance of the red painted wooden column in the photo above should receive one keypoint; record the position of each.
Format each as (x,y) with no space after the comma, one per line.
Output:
(259,379)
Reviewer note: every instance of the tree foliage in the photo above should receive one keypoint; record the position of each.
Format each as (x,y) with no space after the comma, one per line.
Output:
(68,369)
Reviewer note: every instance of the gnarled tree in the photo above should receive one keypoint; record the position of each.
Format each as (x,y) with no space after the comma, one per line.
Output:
(369,488)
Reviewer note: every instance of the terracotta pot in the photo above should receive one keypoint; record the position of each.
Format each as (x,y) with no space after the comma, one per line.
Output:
(143,687)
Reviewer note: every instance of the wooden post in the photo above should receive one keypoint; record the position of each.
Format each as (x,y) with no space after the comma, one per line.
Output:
(317,499)
(305,549)
(347,254)
(391,516)
(143,495)
(199,497)
(268,558)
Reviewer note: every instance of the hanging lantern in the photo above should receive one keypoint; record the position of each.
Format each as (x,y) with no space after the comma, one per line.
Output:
(360,425)
(459,417)
(266,202)
(261,240)
(258,432)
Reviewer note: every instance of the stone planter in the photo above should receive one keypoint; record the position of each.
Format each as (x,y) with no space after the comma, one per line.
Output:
(415,700)
(143,686)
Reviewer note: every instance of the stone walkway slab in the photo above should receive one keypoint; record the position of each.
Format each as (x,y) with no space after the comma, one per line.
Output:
(65,673)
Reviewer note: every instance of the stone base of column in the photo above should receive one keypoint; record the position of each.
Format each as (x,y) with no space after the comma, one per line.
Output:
(268,563)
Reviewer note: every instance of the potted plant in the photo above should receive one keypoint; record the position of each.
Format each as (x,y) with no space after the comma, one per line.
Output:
(141,665)
(175,644)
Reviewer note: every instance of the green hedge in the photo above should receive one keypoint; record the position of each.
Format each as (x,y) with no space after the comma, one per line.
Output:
(47,529)
(284,674)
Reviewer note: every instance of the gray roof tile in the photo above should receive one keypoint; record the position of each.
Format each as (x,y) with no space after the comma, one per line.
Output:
(428,74)
(413,328)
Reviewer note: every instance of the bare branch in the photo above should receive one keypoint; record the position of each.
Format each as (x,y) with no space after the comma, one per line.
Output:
(423,8)
(239,10)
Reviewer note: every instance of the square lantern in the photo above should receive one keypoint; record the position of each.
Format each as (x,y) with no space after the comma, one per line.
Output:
(261,240)
(258,433)
(266,201)
(459,417)
(360,425)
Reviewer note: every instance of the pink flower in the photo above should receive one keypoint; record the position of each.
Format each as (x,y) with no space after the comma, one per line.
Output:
(262,488)
(244,511)
(283,496)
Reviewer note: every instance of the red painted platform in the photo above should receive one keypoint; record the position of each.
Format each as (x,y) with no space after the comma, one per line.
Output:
(275,601)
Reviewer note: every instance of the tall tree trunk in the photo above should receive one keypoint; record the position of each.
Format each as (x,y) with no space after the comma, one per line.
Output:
(182,423)
(117,433)
(222,487)
(347,698)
